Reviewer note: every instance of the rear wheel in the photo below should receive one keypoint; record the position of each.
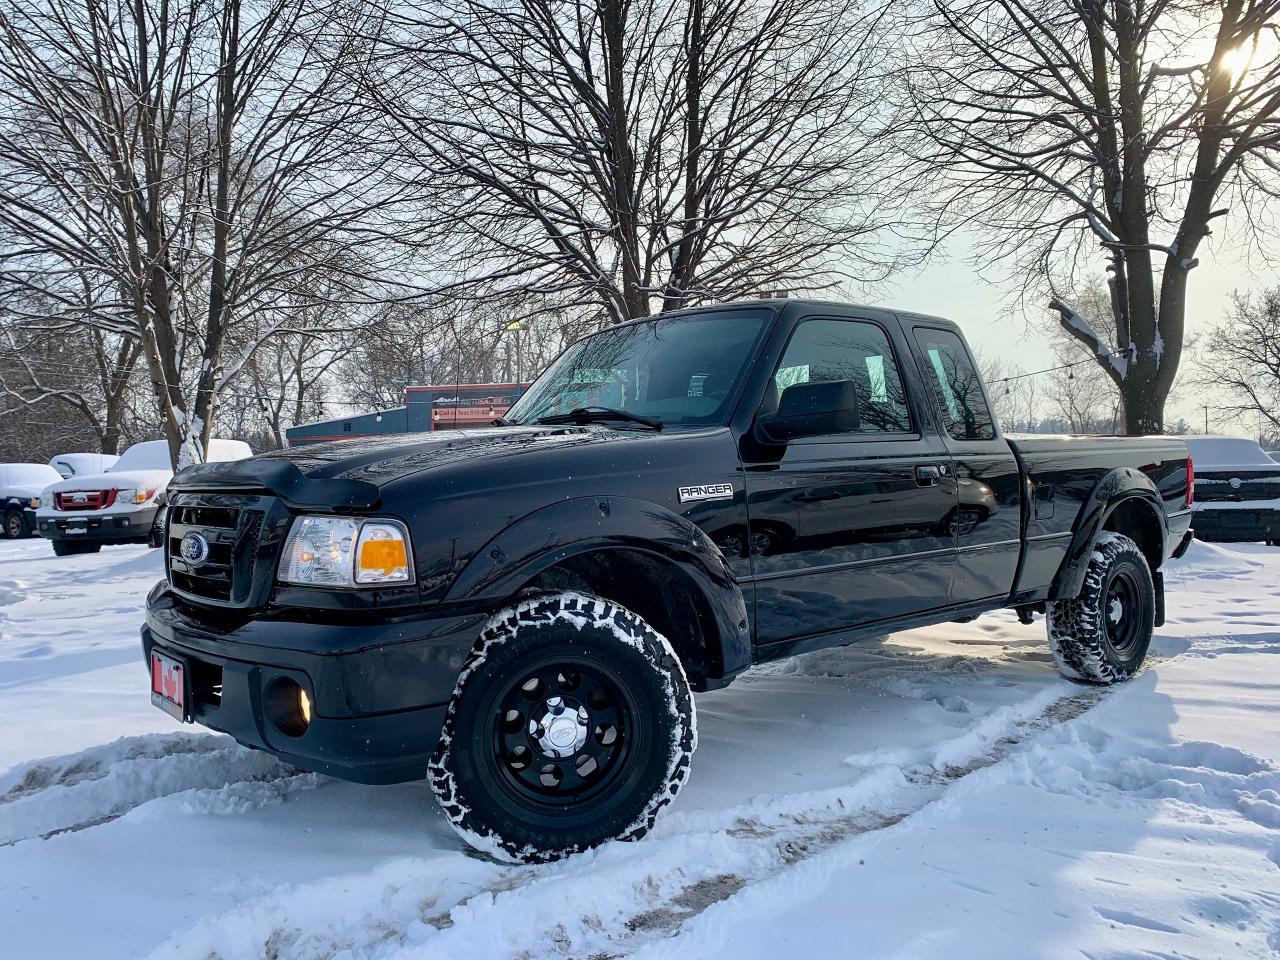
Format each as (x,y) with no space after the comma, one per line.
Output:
(1102,635)
(66,548)
(15,527)
(571,724)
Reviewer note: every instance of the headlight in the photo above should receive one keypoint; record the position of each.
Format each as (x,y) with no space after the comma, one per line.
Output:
(346,552)
(34,502)
(135,495)
(46,500)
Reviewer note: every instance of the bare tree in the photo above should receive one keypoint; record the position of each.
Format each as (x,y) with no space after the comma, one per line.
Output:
(1016,396)
(47,398)
(444,342)
(71,367)
(1079,401)
(620,156)
(1239,360)
(285,382)
(195,159)
(1088,132)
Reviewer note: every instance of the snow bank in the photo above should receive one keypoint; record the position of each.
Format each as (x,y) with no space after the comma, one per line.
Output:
(197,772)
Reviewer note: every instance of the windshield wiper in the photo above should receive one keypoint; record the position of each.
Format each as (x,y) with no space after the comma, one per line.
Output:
(600,415)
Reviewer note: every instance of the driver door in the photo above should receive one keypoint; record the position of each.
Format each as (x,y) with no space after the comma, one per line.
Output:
(853,527)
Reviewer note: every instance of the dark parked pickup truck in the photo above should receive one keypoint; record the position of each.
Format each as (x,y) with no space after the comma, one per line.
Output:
(518,614)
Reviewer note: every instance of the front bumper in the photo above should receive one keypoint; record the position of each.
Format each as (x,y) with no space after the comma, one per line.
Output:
(380,687)
(130,527)
(1236,525)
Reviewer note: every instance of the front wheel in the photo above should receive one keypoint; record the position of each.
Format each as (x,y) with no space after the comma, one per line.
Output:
(15,527)
(571,724)
(1102,635)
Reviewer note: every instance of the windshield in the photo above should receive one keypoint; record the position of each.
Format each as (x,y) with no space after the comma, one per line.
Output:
(32,474)
(148,455)
(678,369)
(1226,451)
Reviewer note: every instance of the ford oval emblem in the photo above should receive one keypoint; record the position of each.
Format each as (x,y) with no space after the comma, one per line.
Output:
(194,549)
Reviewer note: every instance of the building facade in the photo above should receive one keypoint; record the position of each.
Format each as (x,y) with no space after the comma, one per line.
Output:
(426,409)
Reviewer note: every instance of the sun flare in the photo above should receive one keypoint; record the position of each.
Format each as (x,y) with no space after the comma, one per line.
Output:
(1239,60)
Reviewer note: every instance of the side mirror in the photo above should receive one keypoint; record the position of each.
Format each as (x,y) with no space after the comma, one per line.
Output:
(811,410)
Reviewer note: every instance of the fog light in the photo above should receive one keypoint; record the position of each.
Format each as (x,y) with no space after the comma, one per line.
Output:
(288,706)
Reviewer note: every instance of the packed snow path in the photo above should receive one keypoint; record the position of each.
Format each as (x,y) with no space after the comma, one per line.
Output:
(940,794)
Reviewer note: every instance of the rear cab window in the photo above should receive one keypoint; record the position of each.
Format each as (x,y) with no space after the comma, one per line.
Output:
(955,384)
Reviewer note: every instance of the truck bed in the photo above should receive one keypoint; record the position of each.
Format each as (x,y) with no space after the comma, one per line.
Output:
(1064,474)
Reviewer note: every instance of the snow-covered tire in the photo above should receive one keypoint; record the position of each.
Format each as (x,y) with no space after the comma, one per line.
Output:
(1102,635)
(556,685)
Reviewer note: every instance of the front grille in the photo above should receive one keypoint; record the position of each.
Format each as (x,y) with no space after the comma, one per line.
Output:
(228,561)
(83,499)
(1237,487)
(222,517)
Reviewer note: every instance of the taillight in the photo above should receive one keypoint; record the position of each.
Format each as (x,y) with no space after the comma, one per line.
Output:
(1191,482)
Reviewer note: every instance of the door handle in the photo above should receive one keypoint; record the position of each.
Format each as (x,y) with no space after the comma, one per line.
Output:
(928,474)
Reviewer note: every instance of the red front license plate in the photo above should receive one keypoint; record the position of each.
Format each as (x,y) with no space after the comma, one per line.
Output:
(169,684)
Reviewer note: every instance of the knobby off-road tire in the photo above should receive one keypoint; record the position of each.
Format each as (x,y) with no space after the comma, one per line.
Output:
(571,724)
(1102,635)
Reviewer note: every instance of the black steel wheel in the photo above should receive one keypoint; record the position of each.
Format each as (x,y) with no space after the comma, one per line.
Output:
(564,731)
(571,724)
(1102,635)
(1125,610)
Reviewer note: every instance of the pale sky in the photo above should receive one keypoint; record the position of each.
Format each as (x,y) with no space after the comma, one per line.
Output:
(996,327)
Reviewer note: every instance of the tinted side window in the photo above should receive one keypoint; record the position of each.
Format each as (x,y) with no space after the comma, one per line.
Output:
(956,385)
(823,350)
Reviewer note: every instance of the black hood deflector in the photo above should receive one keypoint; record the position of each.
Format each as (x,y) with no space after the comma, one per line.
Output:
(283,479)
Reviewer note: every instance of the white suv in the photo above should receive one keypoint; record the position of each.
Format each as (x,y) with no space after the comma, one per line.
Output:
(80,514)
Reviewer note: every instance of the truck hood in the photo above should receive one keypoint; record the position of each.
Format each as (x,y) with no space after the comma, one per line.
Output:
(105,481)
(24,491)
(349,473)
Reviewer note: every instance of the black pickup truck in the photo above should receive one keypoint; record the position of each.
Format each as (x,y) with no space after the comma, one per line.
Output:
(519,613)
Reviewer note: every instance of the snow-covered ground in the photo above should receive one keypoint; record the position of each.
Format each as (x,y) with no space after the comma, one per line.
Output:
(940,794)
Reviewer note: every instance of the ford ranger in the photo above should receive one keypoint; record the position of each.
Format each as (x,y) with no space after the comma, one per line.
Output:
(519,613)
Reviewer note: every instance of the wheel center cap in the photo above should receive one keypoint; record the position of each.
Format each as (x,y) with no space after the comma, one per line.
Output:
(1117,611)
(561,731)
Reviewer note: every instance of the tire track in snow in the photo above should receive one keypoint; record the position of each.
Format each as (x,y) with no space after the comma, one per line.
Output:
(632,894)
(802,840)
(198,772)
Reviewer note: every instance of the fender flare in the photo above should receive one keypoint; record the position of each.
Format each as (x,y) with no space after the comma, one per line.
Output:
(1119,486)
(552,534)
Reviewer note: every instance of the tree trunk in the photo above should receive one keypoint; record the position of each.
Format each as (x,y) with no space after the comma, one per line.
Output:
(682,268)
(215,331)
(635,299)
